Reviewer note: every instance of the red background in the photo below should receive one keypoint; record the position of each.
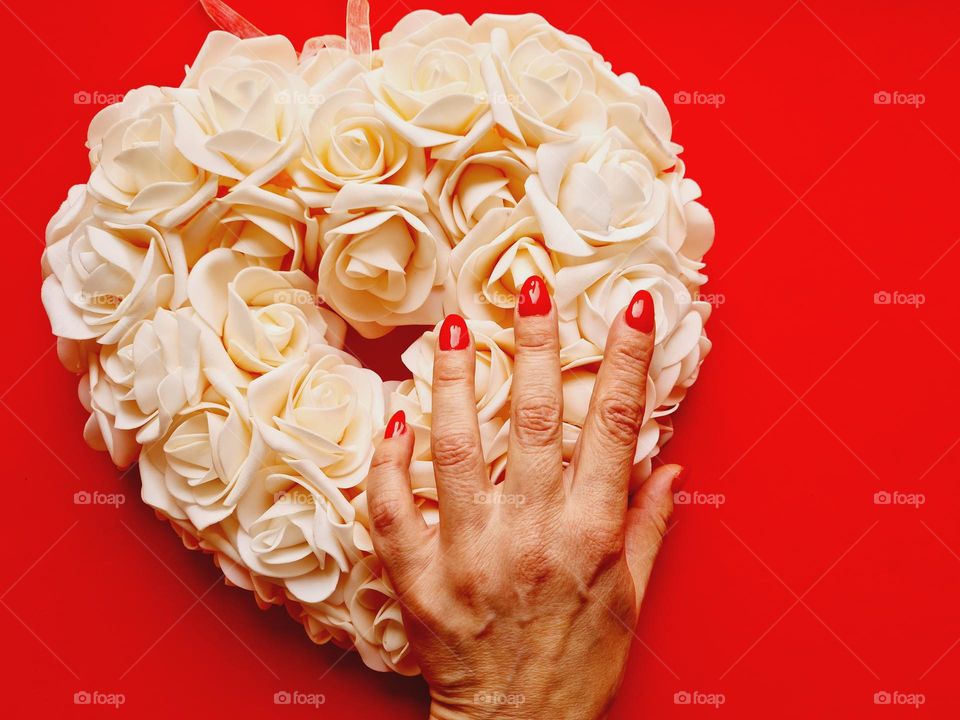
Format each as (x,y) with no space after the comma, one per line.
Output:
(798,597)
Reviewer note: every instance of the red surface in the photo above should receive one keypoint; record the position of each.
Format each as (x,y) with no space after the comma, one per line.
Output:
(798,597)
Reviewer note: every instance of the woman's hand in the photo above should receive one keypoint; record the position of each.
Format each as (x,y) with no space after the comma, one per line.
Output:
(522,603)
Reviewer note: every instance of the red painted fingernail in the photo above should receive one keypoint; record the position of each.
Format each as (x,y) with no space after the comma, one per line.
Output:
(639,313)
(534,297)
(453,333)
(397,425)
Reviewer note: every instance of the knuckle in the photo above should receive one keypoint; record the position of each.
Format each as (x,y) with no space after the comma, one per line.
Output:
(385,461)
(454,450)
(605,540)
(538,419)
(603,544)
(619,415)
(386,511)
(448,372)
(534,563)
(541,341)
(631,356)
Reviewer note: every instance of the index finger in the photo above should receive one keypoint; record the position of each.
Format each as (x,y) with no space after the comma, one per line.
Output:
(609,438)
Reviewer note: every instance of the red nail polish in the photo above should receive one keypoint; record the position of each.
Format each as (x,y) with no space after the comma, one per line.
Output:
(453,333)
(534,297)
(397,425)
(640,315)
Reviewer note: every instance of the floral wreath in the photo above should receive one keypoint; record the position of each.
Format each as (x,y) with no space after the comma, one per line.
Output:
(203,278)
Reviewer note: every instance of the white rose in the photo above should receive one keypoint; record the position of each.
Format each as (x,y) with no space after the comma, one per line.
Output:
(597,190)
(591,295)
(542,83)
(105,277)
(203,465)
(139,175)
(462,191)
(76,209)
(265,317)
(99,397)
(384,260)
(688,226)
(375,612)
(329,68)
(492,262)
(422,27)
(323,408)
(240,108)
(346,142)
(494,368)
(296,528)
(159,368)
(432,94)
(268,228)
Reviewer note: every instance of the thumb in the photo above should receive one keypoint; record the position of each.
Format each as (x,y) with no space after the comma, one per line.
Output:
(650,509)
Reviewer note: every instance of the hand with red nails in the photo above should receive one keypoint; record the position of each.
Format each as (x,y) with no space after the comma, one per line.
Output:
(522,602)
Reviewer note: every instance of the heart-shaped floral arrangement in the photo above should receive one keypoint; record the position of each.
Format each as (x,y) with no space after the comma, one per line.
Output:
(201,281)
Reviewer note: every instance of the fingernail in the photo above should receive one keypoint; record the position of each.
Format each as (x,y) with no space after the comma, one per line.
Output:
(453,333)
(639,313)
(397,425)
(679,480)
(534,297)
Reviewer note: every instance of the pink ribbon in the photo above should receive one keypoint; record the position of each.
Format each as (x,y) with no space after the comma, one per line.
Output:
(358,38)
(226,18)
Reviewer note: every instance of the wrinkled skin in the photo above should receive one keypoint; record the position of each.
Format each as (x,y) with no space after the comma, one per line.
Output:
(522,602)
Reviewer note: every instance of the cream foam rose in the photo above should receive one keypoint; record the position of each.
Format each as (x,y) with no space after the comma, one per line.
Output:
(375,612)
(462,191)
(159,369)
(104,277)
(322,408)
(590,296)
(598,190)
(385,259)
(100,397)
(492,262)
(432,94)
(139,175)
(239,110)
(347,143)
(297,529)
(265,317)
(202,466)
(269,228)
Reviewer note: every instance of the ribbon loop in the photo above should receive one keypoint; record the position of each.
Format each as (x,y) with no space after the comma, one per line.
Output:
(226,18)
